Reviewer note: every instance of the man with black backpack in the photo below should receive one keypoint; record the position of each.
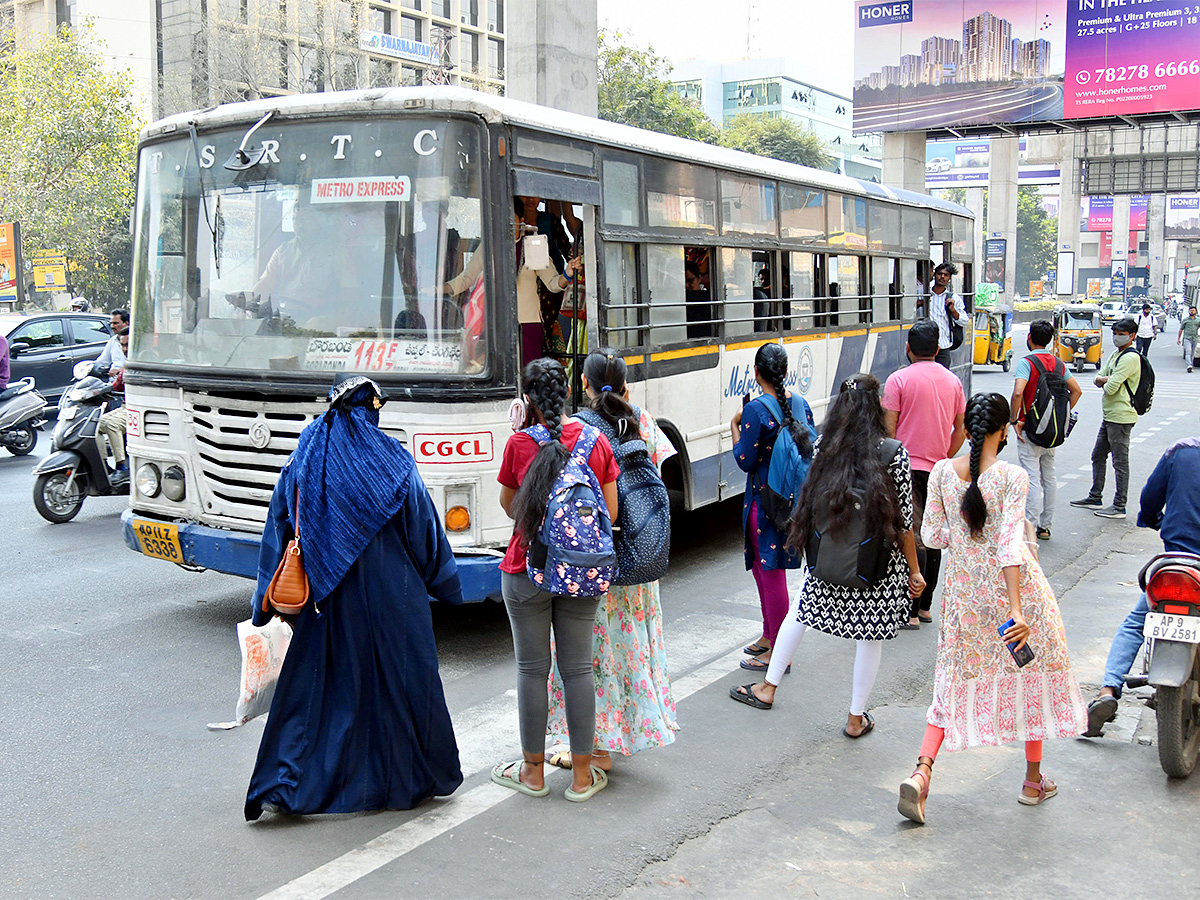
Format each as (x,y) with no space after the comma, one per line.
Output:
(1043,396)
(1128,383)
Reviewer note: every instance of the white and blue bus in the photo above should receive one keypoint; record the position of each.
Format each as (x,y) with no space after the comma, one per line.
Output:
(279,242)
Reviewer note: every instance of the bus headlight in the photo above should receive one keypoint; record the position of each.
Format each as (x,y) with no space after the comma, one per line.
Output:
(173,487)
(148,480)
(458,518)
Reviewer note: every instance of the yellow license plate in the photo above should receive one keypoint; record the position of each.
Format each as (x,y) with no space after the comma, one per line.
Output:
(158,539)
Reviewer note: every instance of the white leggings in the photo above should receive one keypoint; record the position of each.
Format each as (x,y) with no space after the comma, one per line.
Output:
(867,655)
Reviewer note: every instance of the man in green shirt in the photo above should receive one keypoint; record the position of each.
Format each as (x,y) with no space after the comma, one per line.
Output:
(1187,336)
(1119,378)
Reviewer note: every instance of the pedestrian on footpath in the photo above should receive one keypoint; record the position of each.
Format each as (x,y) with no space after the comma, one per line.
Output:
(945,309)
(634,706)
(1187,336)
(1147,330)
(1119,378)
(1036,458)
(756,428)
(981,697)
(1170,503)
(858,493)
(359,720)
(528,472)
(923,407)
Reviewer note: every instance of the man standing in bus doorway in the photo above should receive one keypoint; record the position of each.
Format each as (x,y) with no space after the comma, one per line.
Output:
(945,308)
(1187,336)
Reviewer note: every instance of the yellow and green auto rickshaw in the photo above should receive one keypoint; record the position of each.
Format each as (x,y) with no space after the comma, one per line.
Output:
(993,343)
(1078,335)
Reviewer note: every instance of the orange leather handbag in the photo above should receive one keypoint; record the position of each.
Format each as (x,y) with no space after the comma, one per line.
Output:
(288,591)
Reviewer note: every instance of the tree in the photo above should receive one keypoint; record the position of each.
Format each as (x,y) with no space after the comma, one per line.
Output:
(68,139)
(1037,238)
(780,138)
(634,90)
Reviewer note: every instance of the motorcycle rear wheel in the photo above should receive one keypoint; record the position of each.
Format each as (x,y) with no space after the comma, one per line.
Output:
(1178,729)
(52,500)
(26,440)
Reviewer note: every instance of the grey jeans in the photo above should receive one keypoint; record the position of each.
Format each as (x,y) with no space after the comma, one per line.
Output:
(531,613)
(1043,486)
(1113,438)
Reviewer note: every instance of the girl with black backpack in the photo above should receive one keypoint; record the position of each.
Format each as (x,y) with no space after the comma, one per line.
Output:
(756,428)
(634,706)
(855,521)
(528,472)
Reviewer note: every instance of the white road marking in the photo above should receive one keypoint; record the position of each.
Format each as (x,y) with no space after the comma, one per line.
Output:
(485,733)
(1140,440)
(1086,468)
(1073,475)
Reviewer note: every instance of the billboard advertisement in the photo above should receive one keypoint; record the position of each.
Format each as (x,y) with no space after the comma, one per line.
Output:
(1096,212)
(967,163)
(10,259)
(944,63)
(1182,217)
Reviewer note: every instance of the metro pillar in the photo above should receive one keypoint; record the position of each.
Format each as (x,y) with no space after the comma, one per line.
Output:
(975,203)
(1156,241)
(1120,232)
(1002,206)
(552,50)
(1069,204)
(904,160)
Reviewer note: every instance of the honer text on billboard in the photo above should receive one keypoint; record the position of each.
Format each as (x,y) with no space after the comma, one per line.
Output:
(947,63)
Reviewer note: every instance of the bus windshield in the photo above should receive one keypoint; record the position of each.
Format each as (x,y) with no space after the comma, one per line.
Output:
(349,246)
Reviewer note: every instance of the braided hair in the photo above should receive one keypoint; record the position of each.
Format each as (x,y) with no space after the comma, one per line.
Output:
(544,382)
(846,465)
(986,414)
(771,363)
(605,373)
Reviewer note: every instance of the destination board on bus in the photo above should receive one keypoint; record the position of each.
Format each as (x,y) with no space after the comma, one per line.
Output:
(400,356)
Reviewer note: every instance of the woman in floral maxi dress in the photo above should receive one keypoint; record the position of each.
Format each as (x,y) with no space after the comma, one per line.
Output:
(634,706)
(980,696)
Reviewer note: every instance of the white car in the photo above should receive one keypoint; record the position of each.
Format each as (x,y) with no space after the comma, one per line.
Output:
(1110,311)
(938,164)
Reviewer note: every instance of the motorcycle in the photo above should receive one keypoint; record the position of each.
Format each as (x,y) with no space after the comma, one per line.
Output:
(1172,585)
(78,465)
(21,419)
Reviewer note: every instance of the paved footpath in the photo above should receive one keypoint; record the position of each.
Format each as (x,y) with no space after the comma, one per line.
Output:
(826,825)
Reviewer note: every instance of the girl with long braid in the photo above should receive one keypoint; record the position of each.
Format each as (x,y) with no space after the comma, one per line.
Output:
(527,473)
(766,551)
(635,709)
(981,697)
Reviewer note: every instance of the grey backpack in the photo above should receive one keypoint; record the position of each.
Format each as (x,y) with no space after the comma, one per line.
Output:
(643,528)
(858,557)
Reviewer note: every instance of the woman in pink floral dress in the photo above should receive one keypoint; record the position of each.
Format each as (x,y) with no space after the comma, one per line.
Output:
(981,697)
(634,706)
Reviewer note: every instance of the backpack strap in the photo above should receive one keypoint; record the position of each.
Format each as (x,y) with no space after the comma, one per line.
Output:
(888,449)
(587,442)
(773,407)
(597,421)
(1117,362)
(540,434)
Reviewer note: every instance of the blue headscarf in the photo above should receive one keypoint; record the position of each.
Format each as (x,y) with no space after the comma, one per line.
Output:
(352,480)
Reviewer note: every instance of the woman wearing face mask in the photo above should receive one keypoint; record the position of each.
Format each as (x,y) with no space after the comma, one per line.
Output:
(981,697)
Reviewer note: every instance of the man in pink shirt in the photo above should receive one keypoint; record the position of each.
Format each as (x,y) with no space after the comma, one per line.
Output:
(923,407)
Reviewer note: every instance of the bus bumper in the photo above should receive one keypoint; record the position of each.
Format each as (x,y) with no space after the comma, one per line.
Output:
(236,553)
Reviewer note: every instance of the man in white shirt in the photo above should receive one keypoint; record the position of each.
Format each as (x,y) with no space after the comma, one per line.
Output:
(945,308)
(113,356)
(1147,329)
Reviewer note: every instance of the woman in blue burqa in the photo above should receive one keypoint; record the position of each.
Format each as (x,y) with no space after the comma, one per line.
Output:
(359,720)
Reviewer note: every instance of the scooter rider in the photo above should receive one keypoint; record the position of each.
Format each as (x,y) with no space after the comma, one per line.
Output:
(1171,503)
(4,369)
(113,423)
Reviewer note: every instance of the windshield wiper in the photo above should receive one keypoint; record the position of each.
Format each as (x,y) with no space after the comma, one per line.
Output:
(212,229)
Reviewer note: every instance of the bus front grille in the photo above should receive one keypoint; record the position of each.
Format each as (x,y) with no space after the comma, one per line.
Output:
(241,445)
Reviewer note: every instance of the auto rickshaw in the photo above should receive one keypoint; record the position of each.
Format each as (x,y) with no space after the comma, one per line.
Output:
(993,343)
(1078,335)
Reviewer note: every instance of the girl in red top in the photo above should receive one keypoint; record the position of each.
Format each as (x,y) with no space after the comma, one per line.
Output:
(527,473)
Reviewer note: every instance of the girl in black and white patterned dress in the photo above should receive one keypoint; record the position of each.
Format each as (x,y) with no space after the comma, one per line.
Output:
(868,615)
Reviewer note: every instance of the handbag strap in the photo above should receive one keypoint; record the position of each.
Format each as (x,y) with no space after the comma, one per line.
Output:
(297,513)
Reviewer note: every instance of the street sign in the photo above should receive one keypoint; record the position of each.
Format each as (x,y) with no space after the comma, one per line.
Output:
(49,271)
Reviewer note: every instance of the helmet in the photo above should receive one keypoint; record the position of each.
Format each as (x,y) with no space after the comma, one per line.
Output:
(79,304)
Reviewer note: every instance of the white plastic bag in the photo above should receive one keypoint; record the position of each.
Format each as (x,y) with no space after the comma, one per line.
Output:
(263,651)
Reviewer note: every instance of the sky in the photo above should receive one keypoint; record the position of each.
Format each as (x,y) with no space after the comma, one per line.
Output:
(817,34)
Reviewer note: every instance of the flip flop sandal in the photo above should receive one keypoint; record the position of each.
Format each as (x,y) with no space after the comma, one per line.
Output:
(927,620)
(513,781)
(909,626)
(746,695)
(561,759)
(913,795)
(599,783)
(868,724)
(754,649)
(757,665)
(1043,794)
(1100,712)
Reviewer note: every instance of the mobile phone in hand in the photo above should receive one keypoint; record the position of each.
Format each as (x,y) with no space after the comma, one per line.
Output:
(745,398)
(1022,657)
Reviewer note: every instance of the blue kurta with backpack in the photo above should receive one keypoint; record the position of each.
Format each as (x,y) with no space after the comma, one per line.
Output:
(752,452)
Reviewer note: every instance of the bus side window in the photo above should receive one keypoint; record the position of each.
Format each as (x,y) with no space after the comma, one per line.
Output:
(701,311)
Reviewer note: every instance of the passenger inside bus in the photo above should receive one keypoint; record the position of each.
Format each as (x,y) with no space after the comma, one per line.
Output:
(700,311)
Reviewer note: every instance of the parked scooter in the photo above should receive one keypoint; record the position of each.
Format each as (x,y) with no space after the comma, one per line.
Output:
(78,466)
(1172,585)
(21,408)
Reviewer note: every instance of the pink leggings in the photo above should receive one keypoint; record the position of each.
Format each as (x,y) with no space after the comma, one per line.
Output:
(933,742)
(772,583)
